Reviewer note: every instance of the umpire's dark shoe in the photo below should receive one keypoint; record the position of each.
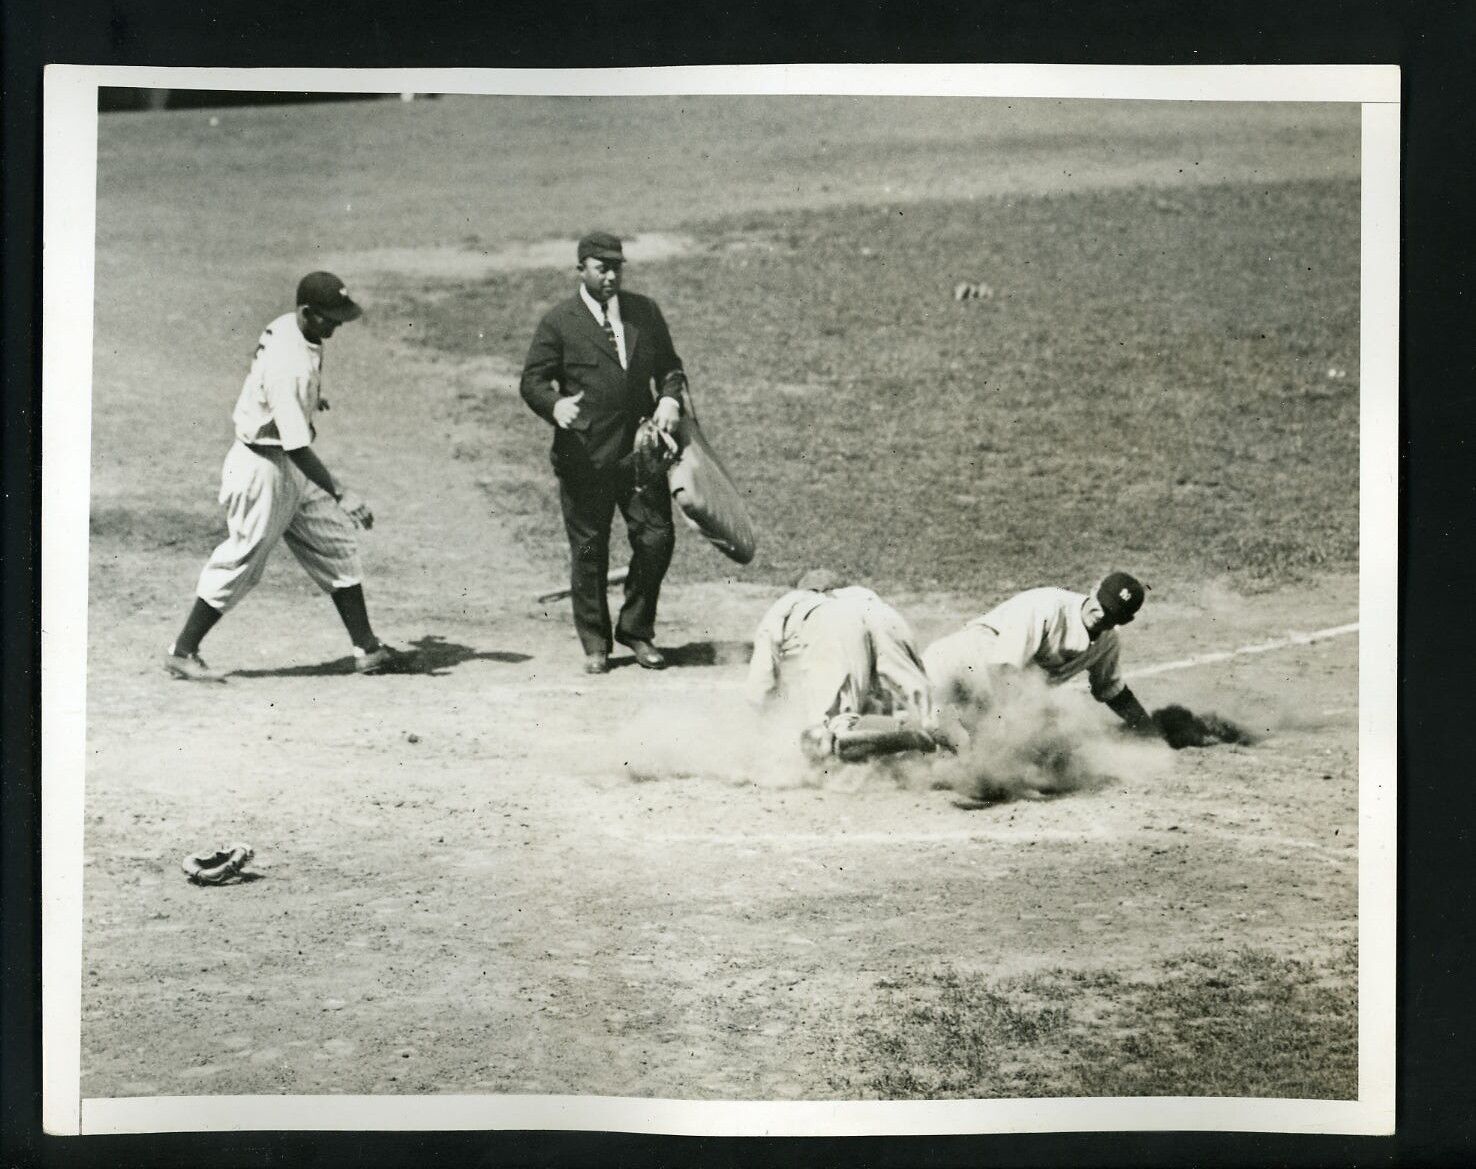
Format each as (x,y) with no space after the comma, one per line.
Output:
(647,656)
(597,663)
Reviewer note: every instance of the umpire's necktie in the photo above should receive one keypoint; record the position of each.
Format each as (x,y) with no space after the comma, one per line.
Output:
(609,329)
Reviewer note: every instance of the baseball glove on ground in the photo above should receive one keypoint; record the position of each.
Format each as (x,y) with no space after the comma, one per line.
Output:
(215,868)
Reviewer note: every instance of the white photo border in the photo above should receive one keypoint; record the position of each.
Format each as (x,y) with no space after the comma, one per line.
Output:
(69,185)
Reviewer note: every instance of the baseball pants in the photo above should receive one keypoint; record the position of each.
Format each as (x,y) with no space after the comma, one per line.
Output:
(901,682)
(268,499)
(830,669)
(855,656)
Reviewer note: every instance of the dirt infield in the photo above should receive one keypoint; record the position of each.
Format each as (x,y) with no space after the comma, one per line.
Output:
(493,874)
(457,893)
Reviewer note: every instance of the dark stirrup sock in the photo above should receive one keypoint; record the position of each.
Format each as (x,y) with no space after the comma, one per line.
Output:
(201,621)
(351,607)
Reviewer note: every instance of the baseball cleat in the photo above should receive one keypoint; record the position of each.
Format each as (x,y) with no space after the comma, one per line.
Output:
(191,668)
(384,660)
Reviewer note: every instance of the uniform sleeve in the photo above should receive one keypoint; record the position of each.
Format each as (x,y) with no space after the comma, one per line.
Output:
(541,368)
(763,666)
(284,384)
(1105,674)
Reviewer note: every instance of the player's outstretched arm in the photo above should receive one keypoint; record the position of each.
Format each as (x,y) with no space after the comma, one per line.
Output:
(1127,707)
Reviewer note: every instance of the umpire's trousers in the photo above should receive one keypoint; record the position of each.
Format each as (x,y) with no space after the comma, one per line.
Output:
(588,499)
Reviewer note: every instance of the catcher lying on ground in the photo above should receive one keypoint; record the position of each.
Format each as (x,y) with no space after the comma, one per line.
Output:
(847,661)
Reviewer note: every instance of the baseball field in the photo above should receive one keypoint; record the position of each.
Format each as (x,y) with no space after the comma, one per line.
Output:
(492,874)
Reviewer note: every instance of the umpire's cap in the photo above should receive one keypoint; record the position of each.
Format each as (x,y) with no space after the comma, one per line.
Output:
(324,293)
(1121,596)
(602,246)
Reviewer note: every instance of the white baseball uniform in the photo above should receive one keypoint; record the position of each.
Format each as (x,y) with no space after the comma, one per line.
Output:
(266,497)
(1040,628)
(840,652)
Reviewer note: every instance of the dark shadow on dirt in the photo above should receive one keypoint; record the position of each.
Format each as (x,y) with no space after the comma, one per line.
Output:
(431,655)
(708,653)
(693,653)
(238,879)
(435,655)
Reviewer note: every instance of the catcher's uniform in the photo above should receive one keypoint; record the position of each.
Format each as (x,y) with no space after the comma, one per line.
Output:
(1040,628)
(845,651)
(266,497)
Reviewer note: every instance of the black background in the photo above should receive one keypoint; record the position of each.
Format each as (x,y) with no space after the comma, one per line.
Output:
(1432,42)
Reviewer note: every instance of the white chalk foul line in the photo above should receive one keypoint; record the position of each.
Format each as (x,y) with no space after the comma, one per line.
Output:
(685,683)
(1260,648)
(841,839)
(1001,834)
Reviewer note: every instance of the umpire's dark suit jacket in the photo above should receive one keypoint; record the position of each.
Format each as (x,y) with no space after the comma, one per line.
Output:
(571,354)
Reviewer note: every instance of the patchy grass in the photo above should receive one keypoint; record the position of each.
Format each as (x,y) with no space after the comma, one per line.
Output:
(156,528)
(1234,1023)
(1164,381)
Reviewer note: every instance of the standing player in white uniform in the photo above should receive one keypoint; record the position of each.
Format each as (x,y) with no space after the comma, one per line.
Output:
(1055,631)
(274,487)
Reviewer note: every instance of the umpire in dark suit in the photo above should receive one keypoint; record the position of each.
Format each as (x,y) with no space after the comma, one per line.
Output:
(601,362)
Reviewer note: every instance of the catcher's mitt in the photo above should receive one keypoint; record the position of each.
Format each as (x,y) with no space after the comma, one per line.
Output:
(1181,727)
(653,455)
(215,868)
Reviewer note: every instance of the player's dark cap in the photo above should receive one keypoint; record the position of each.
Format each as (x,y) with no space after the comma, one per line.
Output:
(324,293)
(602,246)
(1121,596)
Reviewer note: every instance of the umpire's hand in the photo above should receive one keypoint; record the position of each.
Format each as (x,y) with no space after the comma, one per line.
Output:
(666,414)
(566,410)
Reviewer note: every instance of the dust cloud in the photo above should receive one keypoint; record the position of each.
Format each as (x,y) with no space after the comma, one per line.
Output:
(1038,741)
(714,736)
